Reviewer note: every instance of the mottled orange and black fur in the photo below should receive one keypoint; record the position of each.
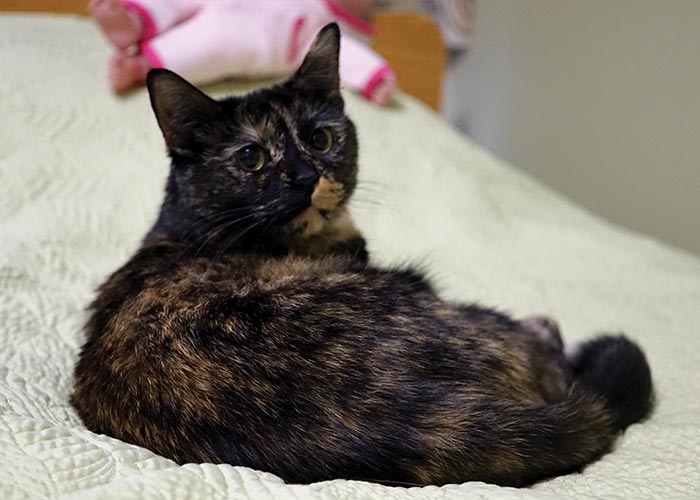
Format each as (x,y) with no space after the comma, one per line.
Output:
(250,329)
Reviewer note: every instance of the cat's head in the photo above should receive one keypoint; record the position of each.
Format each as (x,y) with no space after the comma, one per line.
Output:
(281,160)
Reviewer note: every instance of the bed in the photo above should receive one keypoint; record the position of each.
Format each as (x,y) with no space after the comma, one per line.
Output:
(81,174)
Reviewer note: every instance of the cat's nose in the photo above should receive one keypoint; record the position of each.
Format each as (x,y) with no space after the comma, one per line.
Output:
(305,175)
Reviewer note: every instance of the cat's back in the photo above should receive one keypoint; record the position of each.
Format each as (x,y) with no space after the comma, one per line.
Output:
(165,282)
(182,348)
(169,327)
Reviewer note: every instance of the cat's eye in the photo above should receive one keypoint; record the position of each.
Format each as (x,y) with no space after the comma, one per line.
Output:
(251,157)
(321,140)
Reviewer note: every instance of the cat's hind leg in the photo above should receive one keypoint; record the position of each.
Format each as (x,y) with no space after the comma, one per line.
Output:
(550,363)
(545,328)
(512,444)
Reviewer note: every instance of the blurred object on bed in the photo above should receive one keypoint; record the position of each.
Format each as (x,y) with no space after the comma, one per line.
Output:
(410,41)
(208,41)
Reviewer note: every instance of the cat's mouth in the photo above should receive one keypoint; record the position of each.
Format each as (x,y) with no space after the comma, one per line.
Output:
(327,196)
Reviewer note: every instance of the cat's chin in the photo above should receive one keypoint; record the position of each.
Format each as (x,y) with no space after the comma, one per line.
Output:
(315,233)
(324,204)
(310,222)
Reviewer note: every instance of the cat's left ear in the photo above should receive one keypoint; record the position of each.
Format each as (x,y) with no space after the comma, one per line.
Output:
(318,74)
(183,111)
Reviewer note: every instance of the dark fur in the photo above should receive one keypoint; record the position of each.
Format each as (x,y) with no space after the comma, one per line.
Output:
(249,328)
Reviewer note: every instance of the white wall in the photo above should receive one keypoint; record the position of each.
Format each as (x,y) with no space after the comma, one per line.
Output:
(598,98)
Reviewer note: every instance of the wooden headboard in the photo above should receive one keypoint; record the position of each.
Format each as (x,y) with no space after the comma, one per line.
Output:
(409,41)
(412,43)
(59,6)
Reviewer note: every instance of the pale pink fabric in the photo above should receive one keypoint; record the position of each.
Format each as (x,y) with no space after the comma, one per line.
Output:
(164,14)
(205,40)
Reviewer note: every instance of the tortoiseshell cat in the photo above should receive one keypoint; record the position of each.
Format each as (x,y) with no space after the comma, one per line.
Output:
(250,329)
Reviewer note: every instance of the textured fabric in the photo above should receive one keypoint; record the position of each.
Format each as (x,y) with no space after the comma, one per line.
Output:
(81,177)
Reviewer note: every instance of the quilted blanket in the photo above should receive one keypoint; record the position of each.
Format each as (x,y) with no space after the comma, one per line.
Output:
(81,176)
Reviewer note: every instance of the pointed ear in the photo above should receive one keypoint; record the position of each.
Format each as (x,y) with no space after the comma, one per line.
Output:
(181,109)
(318,74)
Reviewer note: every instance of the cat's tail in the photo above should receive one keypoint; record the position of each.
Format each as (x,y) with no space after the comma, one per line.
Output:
(512,444)
(616,370)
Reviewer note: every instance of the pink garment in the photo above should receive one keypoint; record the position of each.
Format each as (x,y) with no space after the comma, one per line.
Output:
(205,40)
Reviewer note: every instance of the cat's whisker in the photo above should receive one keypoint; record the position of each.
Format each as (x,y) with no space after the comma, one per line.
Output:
(232,241)
(368,201)
(213,218)
(205,219)
(220,222)
(370,205)
(368,194)
(371,187)
(260,213)
(372,192)
(217,230)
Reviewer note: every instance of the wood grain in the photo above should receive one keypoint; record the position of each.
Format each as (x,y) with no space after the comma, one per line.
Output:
(409,41)
(412,44)
(58,6)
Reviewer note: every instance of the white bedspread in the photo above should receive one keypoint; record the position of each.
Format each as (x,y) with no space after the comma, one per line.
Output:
(81,174)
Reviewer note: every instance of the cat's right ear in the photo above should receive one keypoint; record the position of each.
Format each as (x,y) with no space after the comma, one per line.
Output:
(319,72)
(182,110)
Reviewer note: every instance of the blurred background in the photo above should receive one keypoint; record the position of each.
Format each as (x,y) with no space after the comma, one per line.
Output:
(599,99)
